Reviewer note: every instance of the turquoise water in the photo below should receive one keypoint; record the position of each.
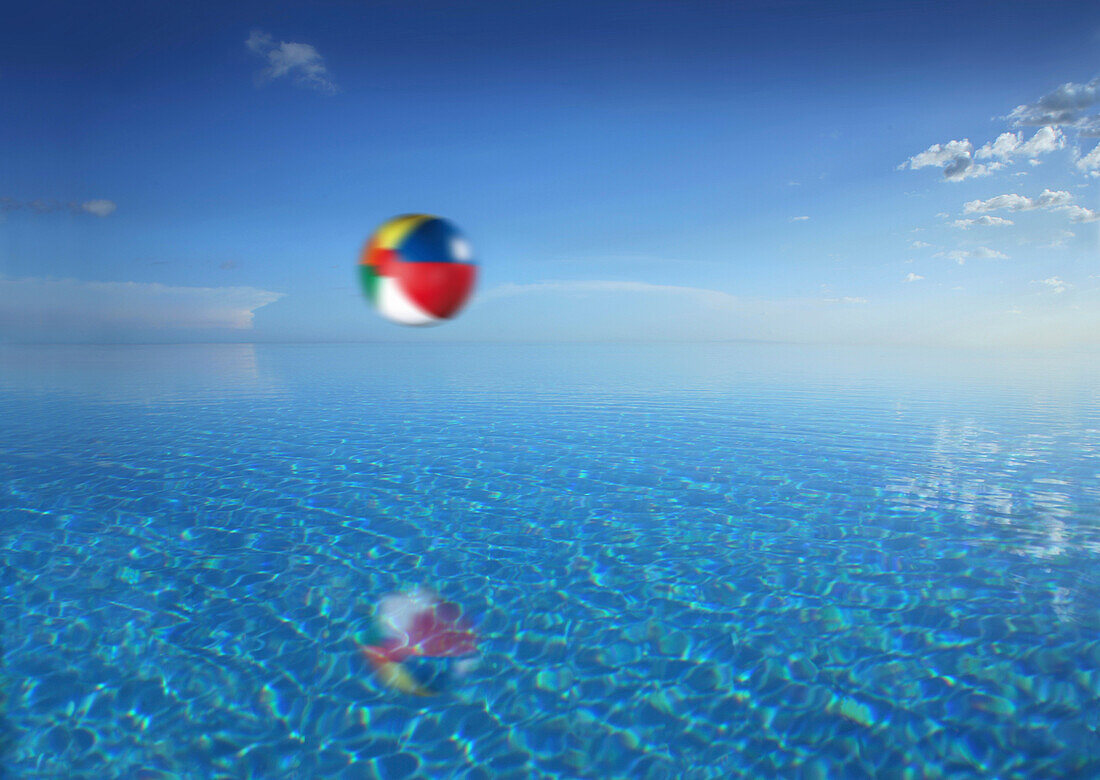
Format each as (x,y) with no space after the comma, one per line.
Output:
(683,561)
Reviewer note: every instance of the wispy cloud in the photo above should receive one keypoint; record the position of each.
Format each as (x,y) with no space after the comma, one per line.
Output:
(912,277)
(40,306)
(711,297)
(98,207)
(1055,283)
(626,312)
(798,219)
(1012,202)
(962,255)
(630,259)
(983,221)
(1059,241)
(300,62)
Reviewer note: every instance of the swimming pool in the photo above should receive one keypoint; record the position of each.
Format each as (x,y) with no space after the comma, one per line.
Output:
(683,560)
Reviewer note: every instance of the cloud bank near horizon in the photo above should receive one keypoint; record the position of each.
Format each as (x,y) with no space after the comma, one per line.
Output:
(70,309)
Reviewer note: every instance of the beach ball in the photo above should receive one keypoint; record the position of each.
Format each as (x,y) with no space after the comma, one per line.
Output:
(417,270)
(420,644)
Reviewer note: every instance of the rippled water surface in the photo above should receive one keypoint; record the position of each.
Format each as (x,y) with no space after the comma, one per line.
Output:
(683,561)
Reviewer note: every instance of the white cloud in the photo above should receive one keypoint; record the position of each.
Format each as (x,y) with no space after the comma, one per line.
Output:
(963,168)
(101,208)
(799,219)
(846,299)
(1045,141)
(1088,127)
(1013,202)
(299,61)
(1055,283)
(912,277)
(982,221)
(1064,106)
(982,253)
(919,245)
(1090,161)
(1057,200)
(47,306)
(939,155)
(955,159)
(1003,147)
(1081,214)
(1009,145)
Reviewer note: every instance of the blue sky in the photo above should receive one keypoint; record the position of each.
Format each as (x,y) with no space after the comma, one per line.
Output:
(647,170)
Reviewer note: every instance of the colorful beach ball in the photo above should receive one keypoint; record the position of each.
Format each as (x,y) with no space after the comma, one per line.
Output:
(420,644)
(417,270)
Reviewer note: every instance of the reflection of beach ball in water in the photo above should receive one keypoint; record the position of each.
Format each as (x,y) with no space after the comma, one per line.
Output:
(417,270)
(420,644)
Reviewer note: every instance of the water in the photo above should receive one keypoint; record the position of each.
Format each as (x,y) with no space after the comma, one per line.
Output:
(684,561)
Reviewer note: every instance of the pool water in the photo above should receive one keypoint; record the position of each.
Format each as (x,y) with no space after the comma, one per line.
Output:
(683,561)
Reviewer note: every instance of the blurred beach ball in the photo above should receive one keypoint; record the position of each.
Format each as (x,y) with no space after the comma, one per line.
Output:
(417,269)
